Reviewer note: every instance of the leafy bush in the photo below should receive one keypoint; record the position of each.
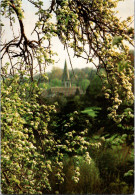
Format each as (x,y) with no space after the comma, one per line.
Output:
(87,174)
(112,165)
(30,151)
(24,122)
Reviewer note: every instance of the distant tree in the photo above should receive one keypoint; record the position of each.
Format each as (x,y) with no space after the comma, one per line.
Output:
(79,75)
(55,83)
(84,84)
(94,90)
(56,73)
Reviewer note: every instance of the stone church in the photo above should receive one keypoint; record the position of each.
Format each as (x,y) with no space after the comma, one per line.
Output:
(66,90)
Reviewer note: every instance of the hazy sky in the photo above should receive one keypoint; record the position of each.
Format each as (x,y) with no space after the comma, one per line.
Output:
(125,9)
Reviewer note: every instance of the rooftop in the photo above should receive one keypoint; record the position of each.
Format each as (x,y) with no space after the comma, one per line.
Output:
(66,91)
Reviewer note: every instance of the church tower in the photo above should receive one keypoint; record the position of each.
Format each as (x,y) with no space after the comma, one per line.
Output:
(65,78)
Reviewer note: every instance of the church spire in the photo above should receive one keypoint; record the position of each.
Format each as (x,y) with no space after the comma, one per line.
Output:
(65,77)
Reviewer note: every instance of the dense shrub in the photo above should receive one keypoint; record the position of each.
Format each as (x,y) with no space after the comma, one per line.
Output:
(113,164)
(30,151)
(88,173)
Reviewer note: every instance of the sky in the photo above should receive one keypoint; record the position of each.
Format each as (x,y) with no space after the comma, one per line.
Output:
(125,9)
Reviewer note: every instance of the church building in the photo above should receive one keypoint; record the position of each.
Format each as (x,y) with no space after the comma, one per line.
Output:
(67,89)
(65,77)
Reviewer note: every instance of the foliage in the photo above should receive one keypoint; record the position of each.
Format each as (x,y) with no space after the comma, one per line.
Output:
(35,136)
(88,28)
(91,111)
(29,149)
(22,161)
(69,119)
(94,91)
(27,130)
(84,84)
(55,83)
(81,77)
(112,164)
(55,73)
(89,177)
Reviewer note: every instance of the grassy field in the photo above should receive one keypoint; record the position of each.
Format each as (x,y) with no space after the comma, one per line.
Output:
(91,111)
